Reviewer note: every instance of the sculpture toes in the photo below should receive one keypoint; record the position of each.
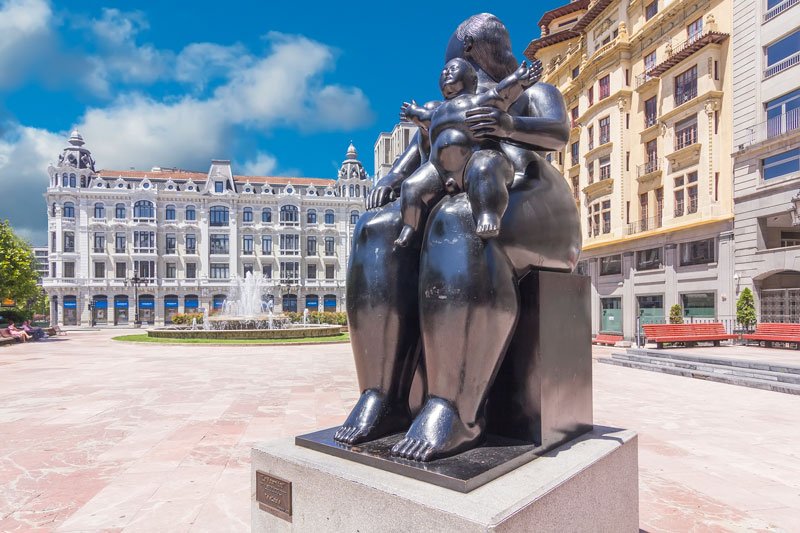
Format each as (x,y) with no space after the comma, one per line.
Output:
(420,451)
(426,454)
(340,433)
(402,448)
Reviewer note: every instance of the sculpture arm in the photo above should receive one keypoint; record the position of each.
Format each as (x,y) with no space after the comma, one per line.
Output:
(388,187)
(512,86)
(420,116)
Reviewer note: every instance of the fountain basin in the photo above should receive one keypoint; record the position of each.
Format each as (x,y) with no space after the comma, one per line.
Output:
(242,334)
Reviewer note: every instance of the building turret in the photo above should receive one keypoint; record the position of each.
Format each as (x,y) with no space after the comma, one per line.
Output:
(352,179)
(75,167)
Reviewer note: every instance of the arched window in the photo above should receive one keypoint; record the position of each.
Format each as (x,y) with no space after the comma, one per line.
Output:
(65,180)
(353,217)
(266,215)
(247,214)
(191,214)
(358,191)
(289,214)
(329,217)
(311,216)
(351,192)
(99,210)
(143,209)
(72,179)
(119,211)
(53,210)
(169,212)
(69,210)
(219,215)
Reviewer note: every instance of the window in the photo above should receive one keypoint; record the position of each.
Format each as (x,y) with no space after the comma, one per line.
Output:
(590,95)
(99,243)
(311,216)
(694,30)
(266,244)
(219,187)
(697,252)
(143,210)
(686,132)
(780,165)
(575,149)
(289,215)
(289,244)
(120,270)
(191,270)
(686,194)
(290,271)
(219,271)
(783,114)
(69,241)
(686,86)
(650,10)
(698,304)
(247,244)
(171,272)
(790,238)
(605,167)
(191,214)
(605,130)
(219,243)
(311,272)
(599,218)
(610,265)
(576,71)
(52,269)
(99,210)
(53,241)
(266,270)
(590,135)
(144,269)
(266,215)
(247,268)
(650,112)
(605,86)
(649,63)
(144,242)
(219,216)
(311,246)
(648,259)
(69,210)
(780,53)
(575,188)
(354,217)
(99,270)
(330,246)
(169,212)
(590,171)
(247,214)
(119,211)
(119,243)
(330,272)
(170,243)
(69,269)
(650,157)
(329,216)
(574,116)
(582,268)
(191,243)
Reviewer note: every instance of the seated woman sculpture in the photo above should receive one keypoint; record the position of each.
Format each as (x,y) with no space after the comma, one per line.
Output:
(452,146)
(446,305)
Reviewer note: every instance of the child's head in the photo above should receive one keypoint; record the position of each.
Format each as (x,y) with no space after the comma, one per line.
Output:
(458,77)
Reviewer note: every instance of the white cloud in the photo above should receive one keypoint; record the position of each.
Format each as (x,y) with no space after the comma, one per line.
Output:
(25,37)
(263,164)
(198,63)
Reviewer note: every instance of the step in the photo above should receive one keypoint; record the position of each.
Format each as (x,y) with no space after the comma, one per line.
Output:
(786,388)
(782,377)
(720,360)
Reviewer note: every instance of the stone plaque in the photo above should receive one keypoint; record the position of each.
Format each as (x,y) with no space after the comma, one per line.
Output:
(274,495)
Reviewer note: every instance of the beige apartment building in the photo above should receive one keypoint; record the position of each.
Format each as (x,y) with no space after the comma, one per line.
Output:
(648,91)
(390,145)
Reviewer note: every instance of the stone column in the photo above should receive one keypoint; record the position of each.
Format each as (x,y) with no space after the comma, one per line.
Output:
(726,267)
(593,268)
(629,307)
(670,278)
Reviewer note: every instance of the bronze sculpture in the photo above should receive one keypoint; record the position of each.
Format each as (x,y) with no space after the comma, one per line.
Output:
(449,293)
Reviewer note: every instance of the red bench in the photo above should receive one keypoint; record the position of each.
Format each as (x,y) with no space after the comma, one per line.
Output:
(688,334)
(769,332)
(606,339)
(6,337)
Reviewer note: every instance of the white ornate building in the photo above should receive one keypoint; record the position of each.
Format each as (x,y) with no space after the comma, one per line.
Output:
(186,235)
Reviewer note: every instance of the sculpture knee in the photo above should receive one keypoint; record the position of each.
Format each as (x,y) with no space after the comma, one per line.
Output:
(489,166)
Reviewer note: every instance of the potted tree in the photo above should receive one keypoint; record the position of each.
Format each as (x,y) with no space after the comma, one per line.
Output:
(745,312)
(676,314)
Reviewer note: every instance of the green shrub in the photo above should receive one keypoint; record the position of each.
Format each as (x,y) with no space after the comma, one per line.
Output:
(13,314)
(676,314)
(185,319)
(746,309)
(337,318)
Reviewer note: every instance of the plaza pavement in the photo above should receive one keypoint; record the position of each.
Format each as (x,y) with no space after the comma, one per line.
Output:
(97,435)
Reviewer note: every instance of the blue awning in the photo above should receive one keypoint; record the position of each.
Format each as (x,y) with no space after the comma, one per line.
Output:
(191,302)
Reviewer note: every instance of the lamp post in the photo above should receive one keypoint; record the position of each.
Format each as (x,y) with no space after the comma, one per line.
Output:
(91,313)
(136,282)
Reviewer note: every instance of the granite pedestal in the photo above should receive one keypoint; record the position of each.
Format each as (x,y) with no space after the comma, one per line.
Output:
(588,484)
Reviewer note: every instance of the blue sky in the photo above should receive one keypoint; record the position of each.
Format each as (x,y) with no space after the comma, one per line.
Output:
(278,88)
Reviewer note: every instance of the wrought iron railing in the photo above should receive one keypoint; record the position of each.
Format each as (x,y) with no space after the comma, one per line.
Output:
(690,207)
(646,168)
(643,78)
(645,224)
(685,93)
(685,137)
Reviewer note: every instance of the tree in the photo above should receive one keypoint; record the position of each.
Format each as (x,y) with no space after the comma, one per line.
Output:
(746,309)
(17,267)
(675,314)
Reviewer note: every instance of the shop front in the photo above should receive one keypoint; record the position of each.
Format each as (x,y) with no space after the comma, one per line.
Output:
(100,310)
(147,309)
(170,308)
(70,311)
(121,310)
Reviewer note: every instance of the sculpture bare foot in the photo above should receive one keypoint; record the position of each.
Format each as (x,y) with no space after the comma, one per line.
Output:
(488,225)
(406,236)
(438,431)
(372,418)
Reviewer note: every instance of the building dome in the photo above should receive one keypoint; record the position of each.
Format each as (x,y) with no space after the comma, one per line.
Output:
(75,138)
(351,152)
(352,176)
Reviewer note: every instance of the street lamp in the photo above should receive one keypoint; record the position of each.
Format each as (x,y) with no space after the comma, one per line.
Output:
(136,282)
(91,313)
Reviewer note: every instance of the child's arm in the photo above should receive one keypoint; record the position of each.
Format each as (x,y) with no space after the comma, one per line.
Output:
(511,87)
(419,115)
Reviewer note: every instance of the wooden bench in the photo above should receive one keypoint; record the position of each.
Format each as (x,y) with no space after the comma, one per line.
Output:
(688,334)
(6,337)
(606,339)
(770,332)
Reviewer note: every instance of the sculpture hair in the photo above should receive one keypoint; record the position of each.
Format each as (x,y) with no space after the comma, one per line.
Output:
(491,44)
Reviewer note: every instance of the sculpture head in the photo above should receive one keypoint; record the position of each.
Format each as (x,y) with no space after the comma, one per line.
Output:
(458,77)
(483,41)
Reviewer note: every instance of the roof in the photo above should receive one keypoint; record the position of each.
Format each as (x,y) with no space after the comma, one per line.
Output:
(185,175)
(554,38)
(549,40)
(550,16)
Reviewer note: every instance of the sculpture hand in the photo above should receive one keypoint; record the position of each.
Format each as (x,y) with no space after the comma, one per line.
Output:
(379,196)
(490,122)
(409,111)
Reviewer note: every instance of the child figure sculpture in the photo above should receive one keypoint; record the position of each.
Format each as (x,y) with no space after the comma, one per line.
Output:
(450,168)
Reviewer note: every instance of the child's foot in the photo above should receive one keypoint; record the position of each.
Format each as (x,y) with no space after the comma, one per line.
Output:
(406,236)
(488,225)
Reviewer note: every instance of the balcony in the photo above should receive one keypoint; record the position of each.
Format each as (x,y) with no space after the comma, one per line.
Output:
(645,78)
(649,170)
(99,250)
(645,224)
(650,120)
(686,93)
(684,138)
(170,251)
(677,53)
(690,207)
(780,8)
(774,128)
